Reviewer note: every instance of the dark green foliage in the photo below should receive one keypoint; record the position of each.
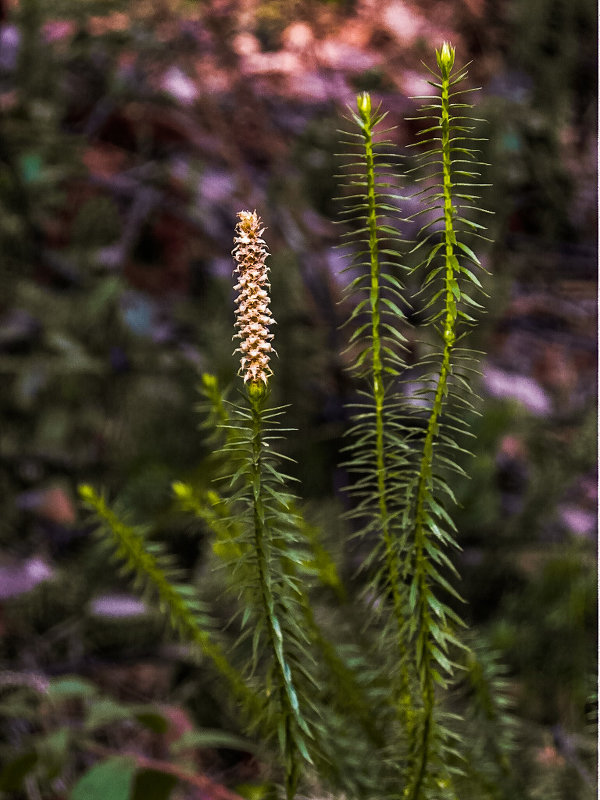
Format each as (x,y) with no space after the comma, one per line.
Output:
(490,730)
(66,720)
(549,43)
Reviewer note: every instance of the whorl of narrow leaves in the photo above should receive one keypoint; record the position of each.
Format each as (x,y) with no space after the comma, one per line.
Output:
(268,538)
(253,315)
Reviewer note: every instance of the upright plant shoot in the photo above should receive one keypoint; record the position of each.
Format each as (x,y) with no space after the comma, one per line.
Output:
(376,452)
(446,164)
(260,499)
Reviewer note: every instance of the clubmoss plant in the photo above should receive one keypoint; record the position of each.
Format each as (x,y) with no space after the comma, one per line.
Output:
(362,710)
(401,453)
(377,454)
(448,284)
(268,538)
(377,448)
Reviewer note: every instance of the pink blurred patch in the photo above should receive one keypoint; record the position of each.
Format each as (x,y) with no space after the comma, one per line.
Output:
(54,504)
(245,44)
(339,55)
(402,21)
(511,386)
(58,29)
(297,36)
(180,86)
(414,84)
(16,579)
(118,606)
(578,520)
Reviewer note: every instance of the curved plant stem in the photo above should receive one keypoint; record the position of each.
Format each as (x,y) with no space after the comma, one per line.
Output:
(344,678)
(206,786)
(147,568)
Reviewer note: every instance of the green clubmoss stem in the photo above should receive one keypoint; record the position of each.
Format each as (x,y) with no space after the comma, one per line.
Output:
(424,484)
(288,698)
(391,558)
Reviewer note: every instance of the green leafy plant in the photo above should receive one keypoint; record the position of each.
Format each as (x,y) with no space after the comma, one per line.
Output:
(369,701)
(403,453)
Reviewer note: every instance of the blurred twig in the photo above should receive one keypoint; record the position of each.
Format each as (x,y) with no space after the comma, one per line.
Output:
(207,786)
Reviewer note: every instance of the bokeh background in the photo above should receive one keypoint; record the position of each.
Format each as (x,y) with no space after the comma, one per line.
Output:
(130,135)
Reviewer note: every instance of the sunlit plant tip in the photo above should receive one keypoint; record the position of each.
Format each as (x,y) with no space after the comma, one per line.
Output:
(445,58)
(363,101)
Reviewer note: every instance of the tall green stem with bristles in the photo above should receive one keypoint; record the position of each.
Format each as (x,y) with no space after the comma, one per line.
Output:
(288,699)
(420,540)
(365,111)
(379,454)
(422,527)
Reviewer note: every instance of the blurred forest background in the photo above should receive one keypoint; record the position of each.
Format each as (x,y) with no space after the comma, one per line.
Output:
(130,135)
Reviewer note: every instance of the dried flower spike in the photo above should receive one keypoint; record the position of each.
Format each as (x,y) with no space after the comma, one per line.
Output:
(253,315)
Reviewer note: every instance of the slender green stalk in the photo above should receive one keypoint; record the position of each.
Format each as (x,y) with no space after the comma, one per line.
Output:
(288,696)
(391,557)
(380,455)
(260,487)
(424,483)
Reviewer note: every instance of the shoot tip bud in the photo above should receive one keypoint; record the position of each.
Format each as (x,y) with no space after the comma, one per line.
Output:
(363,102)
(445,58)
